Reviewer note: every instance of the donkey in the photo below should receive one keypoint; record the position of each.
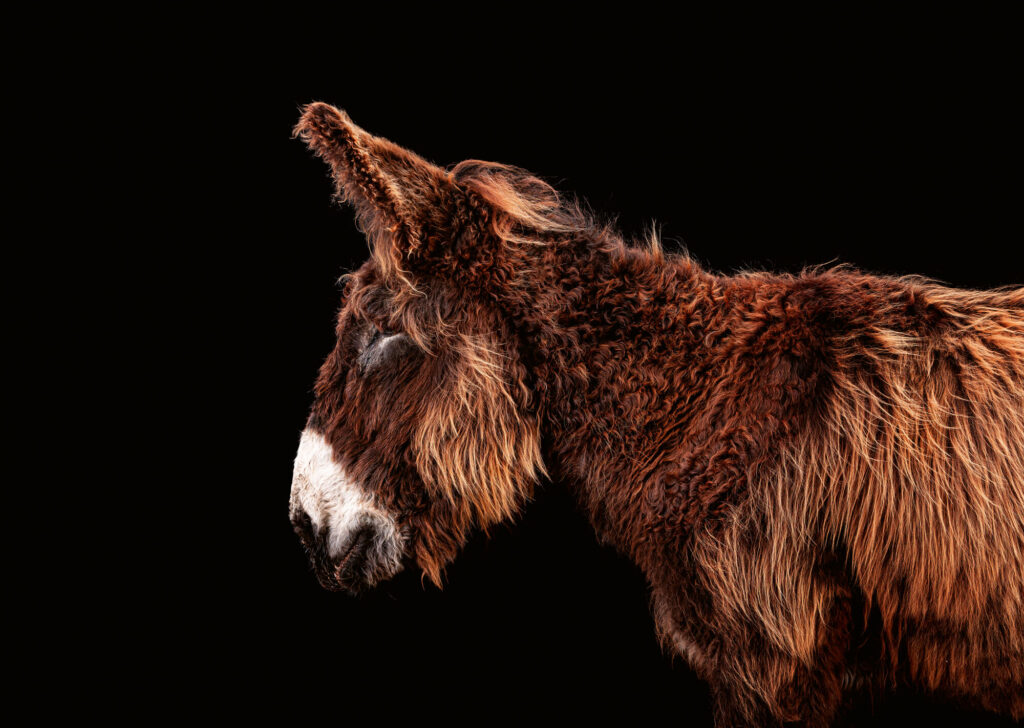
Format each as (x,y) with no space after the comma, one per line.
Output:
(821,475)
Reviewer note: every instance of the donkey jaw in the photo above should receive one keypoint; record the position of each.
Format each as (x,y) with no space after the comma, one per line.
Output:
(352,542)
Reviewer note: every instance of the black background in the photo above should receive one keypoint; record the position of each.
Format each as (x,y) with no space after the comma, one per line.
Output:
(895,158)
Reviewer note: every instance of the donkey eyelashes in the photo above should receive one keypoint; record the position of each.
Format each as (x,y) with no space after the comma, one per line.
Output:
(375,336)
(381,345)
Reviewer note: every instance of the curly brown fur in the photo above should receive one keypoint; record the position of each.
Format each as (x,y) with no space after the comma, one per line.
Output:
(821,475)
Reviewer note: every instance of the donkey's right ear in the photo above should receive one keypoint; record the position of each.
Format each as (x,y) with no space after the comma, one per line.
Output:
(392,189)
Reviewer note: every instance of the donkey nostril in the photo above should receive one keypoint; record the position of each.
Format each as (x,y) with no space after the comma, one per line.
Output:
(363,538)
(303,524)
(354,554)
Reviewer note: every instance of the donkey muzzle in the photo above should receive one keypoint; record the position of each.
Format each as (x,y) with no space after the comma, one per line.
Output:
(352,542)
(361,559)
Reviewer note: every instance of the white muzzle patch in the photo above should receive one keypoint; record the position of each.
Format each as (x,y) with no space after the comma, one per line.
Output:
(338,508)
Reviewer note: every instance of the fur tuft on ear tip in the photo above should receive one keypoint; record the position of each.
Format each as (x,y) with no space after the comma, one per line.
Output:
(319,120)
(321,110)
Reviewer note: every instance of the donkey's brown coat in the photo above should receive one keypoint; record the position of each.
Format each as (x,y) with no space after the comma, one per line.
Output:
(822,475)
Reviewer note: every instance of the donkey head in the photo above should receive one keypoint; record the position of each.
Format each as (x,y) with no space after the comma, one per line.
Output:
(423,426)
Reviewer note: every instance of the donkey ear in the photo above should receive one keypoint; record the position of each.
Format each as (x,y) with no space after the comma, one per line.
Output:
(391,188)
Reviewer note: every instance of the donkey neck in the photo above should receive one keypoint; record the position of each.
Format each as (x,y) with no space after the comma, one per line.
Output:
(614,337)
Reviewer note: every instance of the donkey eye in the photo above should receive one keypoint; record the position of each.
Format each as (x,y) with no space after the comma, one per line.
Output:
(377,335)
(379,345)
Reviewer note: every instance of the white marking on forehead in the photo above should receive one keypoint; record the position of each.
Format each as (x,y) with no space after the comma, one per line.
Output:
(322,489)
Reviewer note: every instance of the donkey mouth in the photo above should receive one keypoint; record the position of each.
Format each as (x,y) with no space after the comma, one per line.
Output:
(346,572)
(348,569)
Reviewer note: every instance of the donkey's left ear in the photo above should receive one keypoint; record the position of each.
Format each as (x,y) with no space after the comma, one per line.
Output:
(392,189)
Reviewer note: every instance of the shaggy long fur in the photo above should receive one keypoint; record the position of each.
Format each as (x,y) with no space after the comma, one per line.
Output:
(822,475)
